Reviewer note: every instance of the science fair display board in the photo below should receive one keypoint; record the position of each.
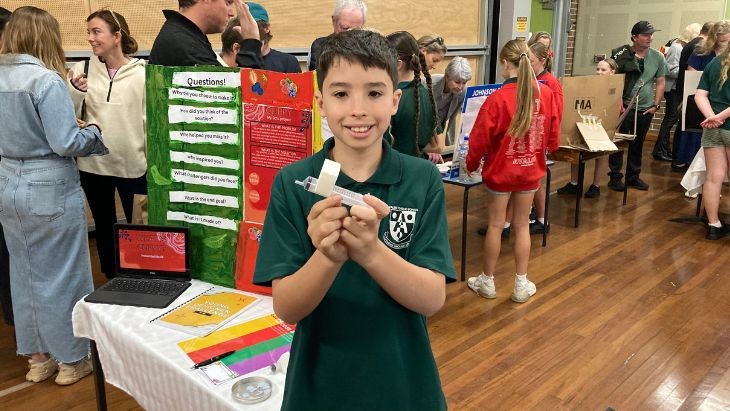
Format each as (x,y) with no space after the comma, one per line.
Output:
(215,139)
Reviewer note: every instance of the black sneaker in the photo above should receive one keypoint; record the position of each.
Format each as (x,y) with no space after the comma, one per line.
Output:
(505,232)
(537,227)
(637,183)
(616,184)
(593,192)
(680,168)
(716,233)
(662,157)
(568,189)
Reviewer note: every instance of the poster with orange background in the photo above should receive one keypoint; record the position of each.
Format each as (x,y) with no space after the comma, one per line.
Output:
(277,128)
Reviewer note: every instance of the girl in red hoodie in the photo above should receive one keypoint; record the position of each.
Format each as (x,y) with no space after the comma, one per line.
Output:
(515,126)
(541,62)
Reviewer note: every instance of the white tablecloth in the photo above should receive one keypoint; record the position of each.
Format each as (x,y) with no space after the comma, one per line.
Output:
(144,360)
(695,176)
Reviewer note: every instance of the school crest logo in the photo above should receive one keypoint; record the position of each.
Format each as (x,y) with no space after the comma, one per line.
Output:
(401,224)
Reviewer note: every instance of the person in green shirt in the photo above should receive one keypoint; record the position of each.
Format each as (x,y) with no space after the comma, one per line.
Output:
(358,282)
(413,129)
(642,66)
(713,100)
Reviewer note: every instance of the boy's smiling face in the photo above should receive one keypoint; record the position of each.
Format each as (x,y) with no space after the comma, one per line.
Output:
(357,103)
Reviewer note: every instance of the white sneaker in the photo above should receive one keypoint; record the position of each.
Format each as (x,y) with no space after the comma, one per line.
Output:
(482,285)
(71,373)
(40,371)
(524,289)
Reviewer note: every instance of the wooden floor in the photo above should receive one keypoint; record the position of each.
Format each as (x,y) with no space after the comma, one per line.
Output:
(632,312)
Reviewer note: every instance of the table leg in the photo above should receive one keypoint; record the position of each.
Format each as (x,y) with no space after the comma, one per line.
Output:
(698,212)
(579,194)
(98,378)
(463,232)
(546,226)
(626,173)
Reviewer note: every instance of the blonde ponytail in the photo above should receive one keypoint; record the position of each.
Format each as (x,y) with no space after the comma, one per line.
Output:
(724,58)
(516,52)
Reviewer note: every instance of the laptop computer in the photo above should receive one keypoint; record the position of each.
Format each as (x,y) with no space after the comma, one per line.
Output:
(152,265)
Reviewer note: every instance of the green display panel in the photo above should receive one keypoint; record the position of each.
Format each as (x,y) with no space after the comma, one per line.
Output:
(194,157)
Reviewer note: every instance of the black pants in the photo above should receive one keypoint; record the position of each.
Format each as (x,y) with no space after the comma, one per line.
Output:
(670,119)
(6,301)
(677,136)
(616,160)
(99,192)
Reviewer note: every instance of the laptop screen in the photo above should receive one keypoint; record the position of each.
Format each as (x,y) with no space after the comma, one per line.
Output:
(157,251)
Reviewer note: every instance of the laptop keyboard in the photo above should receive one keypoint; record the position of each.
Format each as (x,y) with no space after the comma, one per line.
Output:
(140,286)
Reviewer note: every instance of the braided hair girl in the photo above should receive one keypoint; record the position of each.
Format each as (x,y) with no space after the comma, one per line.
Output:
(413,128)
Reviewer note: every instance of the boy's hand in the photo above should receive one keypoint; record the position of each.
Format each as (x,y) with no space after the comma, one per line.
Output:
(360,233)
(325,224)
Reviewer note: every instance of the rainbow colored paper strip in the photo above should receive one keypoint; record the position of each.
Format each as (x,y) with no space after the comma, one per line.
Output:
(258,343)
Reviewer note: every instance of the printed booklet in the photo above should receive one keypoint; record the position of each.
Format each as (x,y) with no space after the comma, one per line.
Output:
(207,311)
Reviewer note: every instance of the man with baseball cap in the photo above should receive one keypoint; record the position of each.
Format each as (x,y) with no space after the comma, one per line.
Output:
(642,66)
(274,60)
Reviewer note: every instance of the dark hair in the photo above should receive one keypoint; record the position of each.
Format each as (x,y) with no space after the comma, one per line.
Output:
(706,27)
(265,36)
(4,17)
(367,48)
(183,4)
(117,23)
(409,53)
(229,37)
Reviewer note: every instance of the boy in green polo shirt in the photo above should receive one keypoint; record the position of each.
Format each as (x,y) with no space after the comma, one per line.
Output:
(359,283)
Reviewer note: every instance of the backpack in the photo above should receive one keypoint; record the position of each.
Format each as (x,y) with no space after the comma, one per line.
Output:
(665,48)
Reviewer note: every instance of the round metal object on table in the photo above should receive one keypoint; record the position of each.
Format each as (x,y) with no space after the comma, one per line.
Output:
(251,390)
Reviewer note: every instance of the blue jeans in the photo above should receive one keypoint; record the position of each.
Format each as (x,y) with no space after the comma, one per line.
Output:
(42,212)
(6,301)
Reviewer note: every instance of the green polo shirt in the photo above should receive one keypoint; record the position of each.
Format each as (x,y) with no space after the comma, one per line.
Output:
(403,123)
(360,349)
(654,66)
(719,96)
